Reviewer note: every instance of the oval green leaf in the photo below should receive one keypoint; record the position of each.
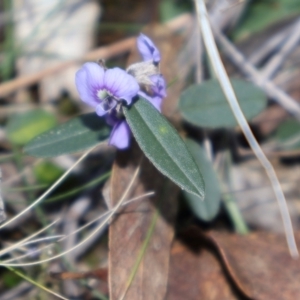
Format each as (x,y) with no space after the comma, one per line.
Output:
(46,172)
(75,135)
(288,134)
(164,147)
(205,210)
(21,128)
(205,105)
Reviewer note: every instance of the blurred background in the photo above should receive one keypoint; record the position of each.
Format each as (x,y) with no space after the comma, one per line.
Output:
(232,245)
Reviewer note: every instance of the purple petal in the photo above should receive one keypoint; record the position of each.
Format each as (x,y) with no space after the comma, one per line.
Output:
(89,79)
(155,100)
(111,119)
(121,84)
(100,111)
(120,135)
(104,107)
(159,91)
(147,49)
(159,87)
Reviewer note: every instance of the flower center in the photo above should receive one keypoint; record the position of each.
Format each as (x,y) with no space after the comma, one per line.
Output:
(108,101)
(102,94)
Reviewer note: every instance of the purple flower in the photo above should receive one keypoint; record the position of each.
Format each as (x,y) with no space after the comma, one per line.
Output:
(121,133)
(158,91)
(147,49)
(104,90)
(153,81)
(107,90)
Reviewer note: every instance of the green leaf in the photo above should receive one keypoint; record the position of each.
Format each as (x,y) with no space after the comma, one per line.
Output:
(262,14)
(21,128)
(205,105)
(47,172)
(164,147)
(75,135)
(205,210)
(10,279)
(288,134)
(169,9)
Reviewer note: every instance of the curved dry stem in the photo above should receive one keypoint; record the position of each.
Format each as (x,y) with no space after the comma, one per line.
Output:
(57,182)
(43,239)
(233,102)
(110,215)
(19,244)
(34,251)
(37,284)
(78,230)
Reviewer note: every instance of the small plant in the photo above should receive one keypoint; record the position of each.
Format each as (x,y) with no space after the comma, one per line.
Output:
(129,102)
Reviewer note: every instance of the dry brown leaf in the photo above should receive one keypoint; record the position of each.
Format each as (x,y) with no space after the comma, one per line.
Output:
(226,266)
(195,271)
(262,263)
(128,232)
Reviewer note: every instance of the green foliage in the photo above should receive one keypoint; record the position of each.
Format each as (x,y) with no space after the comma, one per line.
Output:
(75,135)
(205,105)
(10,279)
(164,147)
(205,210)
(47,172)
(261,14)
(170,9)
(21,128)
(288,133)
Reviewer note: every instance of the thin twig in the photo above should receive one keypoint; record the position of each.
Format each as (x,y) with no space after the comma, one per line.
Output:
(90,241)
(70,224)
(104,52)
(282,98)
(233,102)
(269,46)
(37,284)
(21,243)
(44,195)
(277,60)
(103,223)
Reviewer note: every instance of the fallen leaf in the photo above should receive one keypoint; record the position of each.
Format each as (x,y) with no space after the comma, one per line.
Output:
(127,234)
(226,266)
(262,263)
(128,231)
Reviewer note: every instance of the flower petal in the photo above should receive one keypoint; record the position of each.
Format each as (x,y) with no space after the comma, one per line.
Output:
(159,87)
(100,110)
(120,84)
(147,49)
(120,135)
(154,100)
(89,79)
(111,119)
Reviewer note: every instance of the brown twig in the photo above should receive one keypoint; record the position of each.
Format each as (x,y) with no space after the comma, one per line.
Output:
(270,45)
(277,60)
(104,52)
(249,70)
